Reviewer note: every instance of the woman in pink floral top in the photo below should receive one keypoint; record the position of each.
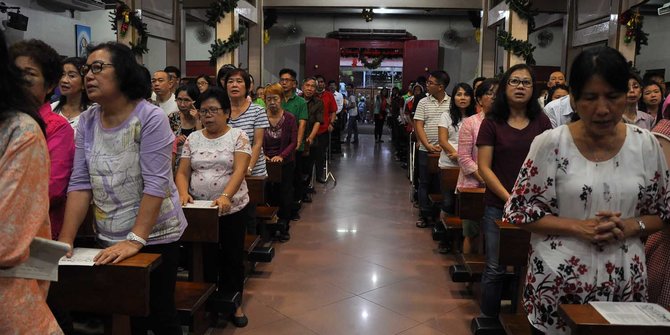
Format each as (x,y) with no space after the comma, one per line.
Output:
(467,154)
(588,192)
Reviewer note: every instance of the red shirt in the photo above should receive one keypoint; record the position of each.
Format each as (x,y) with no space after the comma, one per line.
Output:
(60,141)
(329,108)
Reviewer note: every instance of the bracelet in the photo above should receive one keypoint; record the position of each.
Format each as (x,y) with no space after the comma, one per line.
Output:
(132,237)
(226,195)
(643,227)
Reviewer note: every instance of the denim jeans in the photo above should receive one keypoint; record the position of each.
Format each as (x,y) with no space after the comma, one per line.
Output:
(492,279)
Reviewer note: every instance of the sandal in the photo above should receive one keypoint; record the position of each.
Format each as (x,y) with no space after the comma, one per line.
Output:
(422,223)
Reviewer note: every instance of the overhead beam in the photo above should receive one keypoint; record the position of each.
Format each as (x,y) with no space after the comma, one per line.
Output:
(442,4)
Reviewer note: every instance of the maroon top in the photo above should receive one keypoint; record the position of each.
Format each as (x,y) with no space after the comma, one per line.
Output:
(281,139)
(510,147)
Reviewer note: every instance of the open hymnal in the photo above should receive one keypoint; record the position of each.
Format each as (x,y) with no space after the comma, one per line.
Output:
(633,313)
(201,204)
(81,257)
(42,263)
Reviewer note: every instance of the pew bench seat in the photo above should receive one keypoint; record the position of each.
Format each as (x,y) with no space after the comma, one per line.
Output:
(470,268)
(190,298)
(267,213)
(515,324)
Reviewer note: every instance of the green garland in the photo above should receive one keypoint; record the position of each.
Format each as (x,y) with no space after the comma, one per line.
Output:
(220,48)
(523,49)
(127,17)
(522,8)
(218,9)
(377,62)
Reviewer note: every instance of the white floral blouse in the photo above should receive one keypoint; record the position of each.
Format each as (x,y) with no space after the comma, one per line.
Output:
(557,180)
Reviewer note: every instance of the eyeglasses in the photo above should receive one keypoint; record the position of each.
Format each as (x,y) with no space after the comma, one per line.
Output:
(95,67)
(286,80)
(202,83)
(516,82)
(210,110)
(183,101)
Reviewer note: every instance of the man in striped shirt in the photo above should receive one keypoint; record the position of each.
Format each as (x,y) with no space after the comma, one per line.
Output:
(426,120)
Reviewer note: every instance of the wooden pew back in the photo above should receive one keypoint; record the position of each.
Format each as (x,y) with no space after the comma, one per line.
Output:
(449,178)
(471,203)
(274,171)
(514,245)
(256,186)
(433,163)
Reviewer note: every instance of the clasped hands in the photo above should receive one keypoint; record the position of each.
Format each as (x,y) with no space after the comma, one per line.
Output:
(605,228)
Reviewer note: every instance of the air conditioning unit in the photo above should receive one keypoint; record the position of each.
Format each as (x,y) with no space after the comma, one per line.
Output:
(665,9)
(80,5)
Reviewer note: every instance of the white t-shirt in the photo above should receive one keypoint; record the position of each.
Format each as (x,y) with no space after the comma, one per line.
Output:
(168,106)
(73,121)
(353,108)
(339,100)
(559,111)
(445,122)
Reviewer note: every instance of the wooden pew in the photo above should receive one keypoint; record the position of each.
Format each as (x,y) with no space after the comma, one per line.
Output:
(118,290)
(470,207)
(585,320)
(265,214)
(451,226)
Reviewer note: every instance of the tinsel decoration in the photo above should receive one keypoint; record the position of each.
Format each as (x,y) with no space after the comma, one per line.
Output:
(520,48)
(127,18)
(368,14)
(220,48)
(217,11)
(633,22)
(522,8)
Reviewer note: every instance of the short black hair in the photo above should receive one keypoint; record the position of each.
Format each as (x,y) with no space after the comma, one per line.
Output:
(43,55)
(603,61)
(350,85)
(552,90)
(245,76)
(332,82)
(204,76)
(173,69)
(476,80)
(442,77)
(643,106)
(500,110)
(221,74)
(146,76)
(129,76)
(290,72)
(190,89)
(77,62)
(485,87)
(319,76)
(218,94)
(308,79)
(455,114)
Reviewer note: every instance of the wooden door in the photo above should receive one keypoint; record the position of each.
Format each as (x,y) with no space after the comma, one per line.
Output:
(322,56)
(419,58)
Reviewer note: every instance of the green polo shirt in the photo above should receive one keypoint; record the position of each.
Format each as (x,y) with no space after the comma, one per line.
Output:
(298,107)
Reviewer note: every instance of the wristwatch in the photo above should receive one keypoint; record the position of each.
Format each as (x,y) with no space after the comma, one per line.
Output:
(643,227)
(132,237)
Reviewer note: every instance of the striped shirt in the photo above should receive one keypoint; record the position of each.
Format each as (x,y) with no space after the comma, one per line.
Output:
(253,118)
(429,110)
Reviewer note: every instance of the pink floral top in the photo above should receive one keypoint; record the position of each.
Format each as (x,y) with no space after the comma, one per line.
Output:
(556,179)
(212,165)
(467,151)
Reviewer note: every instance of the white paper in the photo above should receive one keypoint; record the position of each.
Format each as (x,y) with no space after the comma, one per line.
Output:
(81,257)
(633,313)
(202,204)
(42,263)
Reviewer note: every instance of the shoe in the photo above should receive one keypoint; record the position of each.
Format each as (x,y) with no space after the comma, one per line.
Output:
(295,217)
(311,190)
(307,198)
(239,321)
(284,237)
(423,223)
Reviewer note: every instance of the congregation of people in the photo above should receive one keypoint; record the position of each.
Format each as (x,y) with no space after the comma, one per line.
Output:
(579,166)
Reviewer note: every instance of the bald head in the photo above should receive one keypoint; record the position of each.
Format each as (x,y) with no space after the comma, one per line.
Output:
(556,78)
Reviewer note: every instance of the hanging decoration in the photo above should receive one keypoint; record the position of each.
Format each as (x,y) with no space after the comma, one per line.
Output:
(220,48)
(127,18)
(522,8)
(633,22)
(523,49)
(269,20)
(544,38)
(218,9)
(216,12)
(368,14)
(376,63)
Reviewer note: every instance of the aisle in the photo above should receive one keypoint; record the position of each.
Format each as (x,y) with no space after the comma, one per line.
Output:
(356,264)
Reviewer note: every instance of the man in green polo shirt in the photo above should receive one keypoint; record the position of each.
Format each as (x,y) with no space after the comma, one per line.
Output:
(298,107)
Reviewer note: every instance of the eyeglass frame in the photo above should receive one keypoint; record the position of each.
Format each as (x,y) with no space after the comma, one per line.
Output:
(211,110)
(83,70)
(520,82)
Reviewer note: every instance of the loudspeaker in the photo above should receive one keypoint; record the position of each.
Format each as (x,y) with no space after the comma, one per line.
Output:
(17,21)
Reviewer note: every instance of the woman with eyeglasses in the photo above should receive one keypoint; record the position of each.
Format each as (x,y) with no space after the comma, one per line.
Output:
(203,82)
(189,119)
(632,114)
(247,116)
(503,141)
(213,164)
(586,212)
(468,176)
(123,168)
(41,68)
(73,99)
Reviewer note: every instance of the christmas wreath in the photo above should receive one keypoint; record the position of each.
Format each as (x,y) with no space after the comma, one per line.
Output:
(220,48)
(215,13)
(522,8)
(633,22)
(376,62)
(128,18)
(523,49)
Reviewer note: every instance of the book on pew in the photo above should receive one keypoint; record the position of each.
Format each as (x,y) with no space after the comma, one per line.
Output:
(632,313)
(201,204)
(42,263)
(81,257)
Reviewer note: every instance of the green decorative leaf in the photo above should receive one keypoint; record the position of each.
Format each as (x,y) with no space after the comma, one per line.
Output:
(140,46)
(220,48)
(523,49)
(217,11)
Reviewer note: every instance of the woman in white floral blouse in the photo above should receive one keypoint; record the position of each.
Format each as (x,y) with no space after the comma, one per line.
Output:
(588,192)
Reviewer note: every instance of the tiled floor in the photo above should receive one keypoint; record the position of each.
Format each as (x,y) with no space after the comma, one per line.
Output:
(356,264)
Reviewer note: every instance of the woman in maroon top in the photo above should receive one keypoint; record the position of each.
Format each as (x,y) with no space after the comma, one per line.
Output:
(503,142)
(279,144)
